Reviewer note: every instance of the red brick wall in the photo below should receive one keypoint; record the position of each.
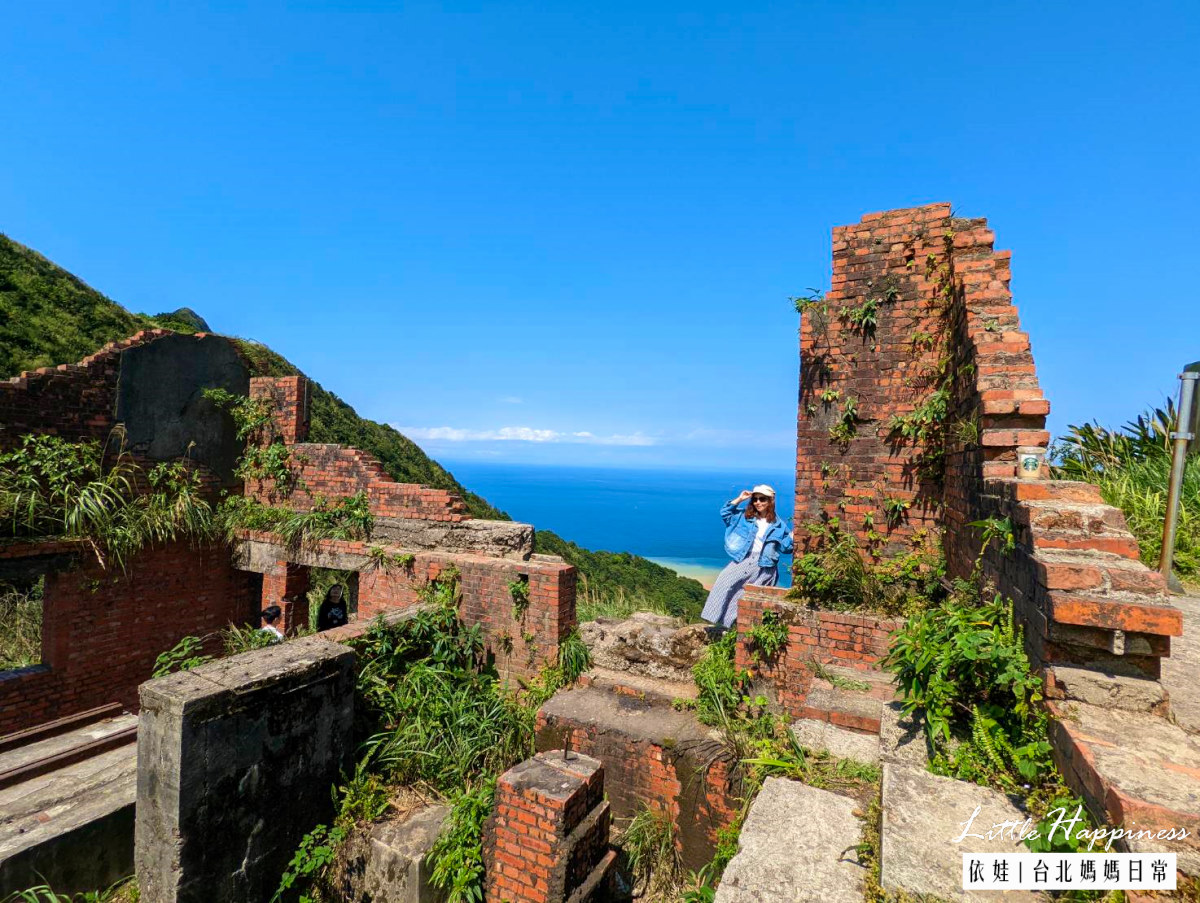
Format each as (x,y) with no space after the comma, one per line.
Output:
(691,783)
(828,637)
(522,646)
(1074,576)
(289,400)
(883,258)
(102,630)
(335,471)
(286,585)
(530,854)
(74,401)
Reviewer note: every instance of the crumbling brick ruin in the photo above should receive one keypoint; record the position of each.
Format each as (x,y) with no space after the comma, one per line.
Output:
(943,330)
(919,408)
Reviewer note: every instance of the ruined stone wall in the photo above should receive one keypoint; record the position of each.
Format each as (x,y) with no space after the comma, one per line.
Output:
(828,637)
(522,642)
(855,376)
(654,758)
(948,331)
(335,471)
(75,401)
(235,762)
(102,630)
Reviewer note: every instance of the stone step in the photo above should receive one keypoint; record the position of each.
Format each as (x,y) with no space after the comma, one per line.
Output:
(798,844)
(923,815)
(873,683)
(638,686)
(902,738)
(845,708)
(1139,770)
(840,742)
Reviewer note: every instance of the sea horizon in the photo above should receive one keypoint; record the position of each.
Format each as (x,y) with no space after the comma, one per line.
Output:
(670,516)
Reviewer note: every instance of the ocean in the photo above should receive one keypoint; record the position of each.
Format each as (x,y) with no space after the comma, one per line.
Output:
(672,517)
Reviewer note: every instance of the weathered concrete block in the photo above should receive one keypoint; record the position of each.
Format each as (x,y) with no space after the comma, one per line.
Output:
(235,763)
(902,738)
(923,816)
(839,742)
(390,863)
(1106,689)
(798,844)
(657,646)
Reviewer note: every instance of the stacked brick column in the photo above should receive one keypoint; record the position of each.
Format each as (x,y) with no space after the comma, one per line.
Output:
(288,396)
(546,840)
(286,585)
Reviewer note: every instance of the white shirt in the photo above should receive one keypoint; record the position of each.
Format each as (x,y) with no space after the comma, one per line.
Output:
(763,525)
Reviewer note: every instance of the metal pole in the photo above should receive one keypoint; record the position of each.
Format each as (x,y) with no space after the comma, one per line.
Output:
(1180,439)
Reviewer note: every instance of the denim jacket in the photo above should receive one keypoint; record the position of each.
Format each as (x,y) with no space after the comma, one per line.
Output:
(740,533)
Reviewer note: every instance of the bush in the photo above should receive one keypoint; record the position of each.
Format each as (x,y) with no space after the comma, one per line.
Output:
(835,575)
(1132,467)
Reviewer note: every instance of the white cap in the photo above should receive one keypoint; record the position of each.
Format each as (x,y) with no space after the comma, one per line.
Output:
(763,489)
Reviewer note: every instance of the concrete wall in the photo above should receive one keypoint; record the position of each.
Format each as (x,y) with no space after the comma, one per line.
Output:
(235,764)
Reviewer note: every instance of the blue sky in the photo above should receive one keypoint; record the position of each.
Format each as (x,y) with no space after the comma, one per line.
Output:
(566,233)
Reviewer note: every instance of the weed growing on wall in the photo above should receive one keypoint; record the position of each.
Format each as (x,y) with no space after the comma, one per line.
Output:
(654,861)
(347,518)
(185,655)
(50,487)
(835,575)
(20,624)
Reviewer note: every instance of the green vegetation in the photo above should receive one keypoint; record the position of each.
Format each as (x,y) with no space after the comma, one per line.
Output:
(124,891)
(654,861)
(962,666)
(617,579)
(835,575)
(769,636)
(431,715)
(53,488)
(1132,466)
(48,316)
(20,625)
(761,746)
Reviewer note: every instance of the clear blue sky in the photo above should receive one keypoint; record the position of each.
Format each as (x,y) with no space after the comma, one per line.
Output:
(581,223)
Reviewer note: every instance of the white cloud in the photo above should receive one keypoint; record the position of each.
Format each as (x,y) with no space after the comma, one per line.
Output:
(521,434)
(510,399)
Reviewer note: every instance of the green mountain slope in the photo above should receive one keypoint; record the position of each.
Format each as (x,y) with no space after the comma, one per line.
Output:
(48,316)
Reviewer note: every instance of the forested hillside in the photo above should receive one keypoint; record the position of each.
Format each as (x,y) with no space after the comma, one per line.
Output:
(49,316)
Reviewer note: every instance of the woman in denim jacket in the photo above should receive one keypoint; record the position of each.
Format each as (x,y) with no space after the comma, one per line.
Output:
(754,539)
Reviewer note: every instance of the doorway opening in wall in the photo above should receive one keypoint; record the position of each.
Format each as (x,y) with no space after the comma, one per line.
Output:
(21,623)
(321,580)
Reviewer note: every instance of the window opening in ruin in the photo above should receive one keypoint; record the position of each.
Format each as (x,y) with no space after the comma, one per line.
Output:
(21,623)
(320,580)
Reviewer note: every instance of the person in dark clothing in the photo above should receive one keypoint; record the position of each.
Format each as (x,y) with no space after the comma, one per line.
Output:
(332,612)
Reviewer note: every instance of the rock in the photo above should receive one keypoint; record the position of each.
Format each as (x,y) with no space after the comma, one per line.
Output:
(902,738)
(798,844)
(837,741)
(648,644)
(923,814)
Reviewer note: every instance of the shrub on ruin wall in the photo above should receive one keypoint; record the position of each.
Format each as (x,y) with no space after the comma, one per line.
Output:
(1132,466)
(112,504)
(835,574)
